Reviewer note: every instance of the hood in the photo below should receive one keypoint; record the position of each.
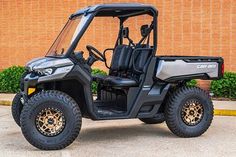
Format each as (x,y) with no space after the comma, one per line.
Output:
(46,62)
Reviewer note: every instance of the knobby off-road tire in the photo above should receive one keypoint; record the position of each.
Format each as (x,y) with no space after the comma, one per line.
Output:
(155,120)
(58,101)
(174,112)
(16,108)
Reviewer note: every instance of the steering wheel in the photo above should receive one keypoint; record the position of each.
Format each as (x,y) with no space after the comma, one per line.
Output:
(95,54)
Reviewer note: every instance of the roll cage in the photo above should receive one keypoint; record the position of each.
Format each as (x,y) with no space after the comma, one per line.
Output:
(122,11)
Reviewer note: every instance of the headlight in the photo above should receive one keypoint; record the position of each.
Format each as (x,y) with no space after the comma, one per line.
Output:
(47,71)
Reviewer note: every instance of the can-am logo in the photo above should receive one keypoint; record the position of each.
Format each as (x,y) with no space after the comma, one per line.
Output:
(203,66)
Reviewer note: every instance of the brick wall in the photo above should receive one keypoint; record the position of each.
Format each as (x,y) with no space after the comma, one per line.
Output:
(186,27)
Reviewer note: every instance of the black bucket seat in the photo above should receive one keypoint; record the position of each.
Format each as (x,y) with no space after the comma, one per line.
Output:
(127,63)
(119,67)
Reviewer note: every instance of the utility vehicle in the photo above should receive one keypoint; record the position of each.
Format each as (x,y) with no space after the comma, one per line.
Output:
(56,89)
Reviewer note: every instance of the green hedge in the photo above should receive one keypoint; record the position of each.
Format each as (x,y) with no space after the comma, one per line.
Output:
(192,83)
(94,84)
(225,87)
(10,79)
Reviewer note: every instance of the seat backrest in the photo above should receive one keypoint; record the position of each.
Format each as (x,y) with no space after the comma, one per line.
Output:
(121,58)
(140,58)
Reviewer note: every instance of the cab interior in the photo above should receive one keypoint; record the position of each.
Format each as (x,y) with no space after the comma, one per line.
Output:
(127,70)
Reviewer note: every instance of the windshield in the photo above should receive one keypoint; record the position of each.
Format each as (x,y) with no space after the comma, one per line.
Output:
(67,36)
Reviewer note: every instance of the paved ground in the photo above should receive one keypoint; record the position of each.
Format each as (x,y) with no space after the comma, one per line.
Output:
(125,138)
(229,105)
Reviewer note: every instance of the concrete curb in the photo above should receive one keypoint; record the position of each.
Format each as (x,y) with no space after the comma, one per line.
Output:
(221,112)
(217,112)
(5,103)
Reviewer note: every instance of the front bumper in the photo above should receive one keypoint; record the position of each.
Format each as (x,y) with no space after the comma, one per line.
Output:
(30,81)
(27,81)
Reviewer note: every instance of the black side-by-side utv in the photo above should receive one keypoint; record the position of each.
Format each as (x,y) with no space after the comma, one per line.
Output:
(56,89)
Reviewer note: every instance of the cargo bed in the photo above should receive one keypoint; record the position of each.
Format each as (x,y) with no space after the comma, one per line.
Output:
(175,68)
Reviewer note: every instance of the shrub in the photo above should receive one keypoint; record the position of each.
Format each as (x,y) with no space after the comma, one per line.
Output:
(225,87)
(10,79)
(95,84)
(192,83)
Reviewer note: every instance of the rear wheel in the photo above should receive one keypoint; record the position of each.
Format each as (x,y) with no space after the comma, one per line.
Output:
(16,108)
(160,118)
(189,112)
(51,120)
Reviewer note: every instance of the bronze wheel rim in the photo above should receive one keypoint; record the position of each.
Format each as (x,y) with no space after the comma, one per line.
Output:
(50,121)
(192,112)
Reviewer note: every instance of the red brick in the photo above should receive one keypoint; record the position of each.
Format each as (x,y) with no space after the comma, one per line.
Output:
(188,27)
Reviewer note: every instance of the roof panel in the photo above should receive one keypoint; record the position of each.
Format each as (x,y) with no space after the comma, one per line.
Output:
(118,9)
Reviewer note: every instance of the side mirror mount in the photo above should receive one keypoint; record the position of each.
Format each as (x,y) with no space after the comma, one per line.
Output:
(125,32)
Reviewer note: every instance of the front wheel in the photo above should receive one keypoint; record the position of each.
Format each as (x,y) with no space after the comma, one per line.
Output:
(16,108)
(51,120)
(189,112)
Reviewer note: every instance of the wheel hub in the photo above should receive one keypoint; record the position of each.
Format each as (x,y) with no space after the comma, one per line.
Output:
(192,112)
(50,122)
